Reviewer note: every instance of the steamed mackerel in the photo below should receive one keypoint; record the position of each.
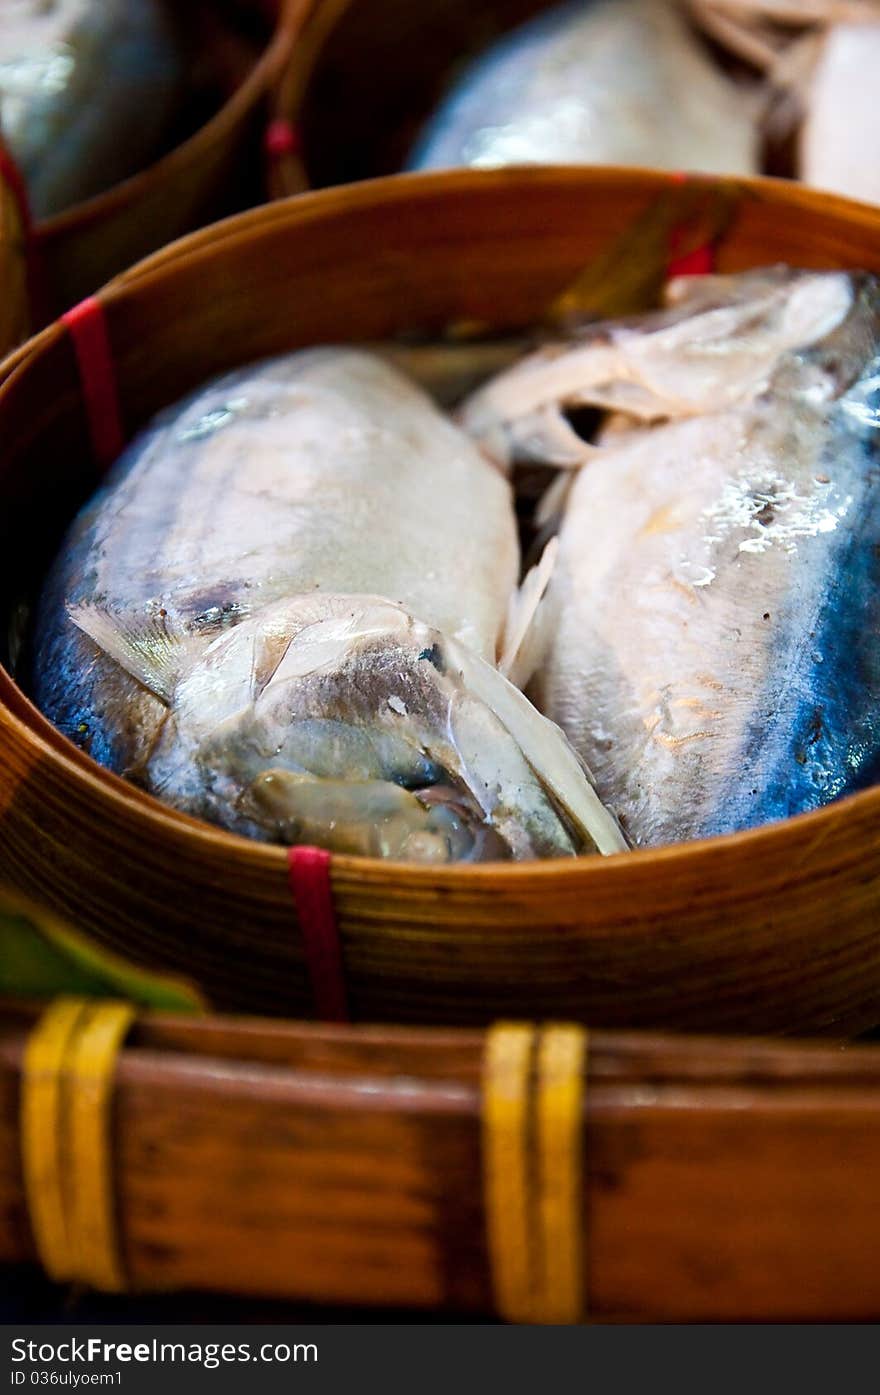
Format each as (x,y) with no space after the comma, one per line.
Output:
(840,137)
(282,613)
(88,89)
(716,652)
(608,82)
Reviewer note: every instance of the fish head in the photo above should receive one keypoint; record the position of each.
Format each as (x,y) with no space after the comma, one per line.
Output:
(719,341)
(347,722)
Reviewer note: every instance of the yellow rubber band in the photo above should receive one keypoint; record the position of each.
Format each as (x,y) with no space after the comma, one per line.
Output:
(42,1134)
(92,1061)
(67,1088)
(562,1056)
(533,1100)
(506,1077)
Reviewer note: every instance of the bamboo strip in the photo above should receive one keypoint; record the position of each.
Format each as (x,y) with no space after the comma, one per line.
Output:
(727,1180)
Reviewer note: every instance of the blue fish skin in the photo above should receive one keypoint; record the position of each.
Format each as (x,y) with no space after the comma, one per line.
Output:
(66,674)
(595,82)
(815,733)
(716,655)
(88,92)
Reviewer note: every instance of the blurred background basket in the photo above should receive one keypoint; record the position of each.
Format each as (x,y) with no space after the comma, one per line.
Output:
(770,930)
(350,126)
(351,123)
(245,46)
(725,1180)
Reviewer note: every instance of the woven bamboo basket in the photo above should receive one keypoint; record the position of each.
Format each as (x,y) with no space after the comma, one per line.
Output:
(769,930)
(330,88)
(15,318)
(216,170)
(698,1179)
(329,92)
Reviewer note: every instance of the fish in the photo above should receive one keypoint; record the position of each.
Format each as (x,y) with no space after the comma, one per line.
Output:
(715,630)
(607,82)
(284,612)
(840,137)
(89,90)
(818,60)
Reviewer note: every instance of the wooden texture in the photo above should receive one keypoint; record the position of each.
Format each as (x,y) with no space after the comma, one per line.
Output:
(722,1180)
(773,930)
(215,171)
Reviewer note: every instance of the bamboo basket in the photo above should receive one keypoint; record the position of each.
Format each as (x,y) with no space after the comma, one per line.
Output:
(717,1179)
(15,320)
(349,126)
(330,88)
(770,930)
(213,172)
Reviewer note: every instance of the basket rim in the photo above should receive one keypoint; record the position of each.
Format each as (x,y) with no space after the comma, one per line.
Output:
(313,206)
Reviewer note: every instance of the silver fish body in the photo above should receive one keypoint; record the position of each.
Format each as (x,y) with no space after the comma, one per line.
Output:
(282,613)
(88,89)
(840,138)
(716,650)
(607,82)
(819,60)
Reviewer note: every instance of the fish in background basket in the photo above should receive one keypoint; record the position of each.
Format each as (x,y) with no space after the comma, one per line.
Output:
(819,61)
(606,82)
(716,651)
(89,90)
(283,613)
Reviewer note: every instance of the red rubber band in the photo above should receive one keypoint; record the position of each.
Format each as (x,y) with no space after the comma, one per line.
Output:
(87,324)
(309,871)
(11,175)
(282,138)
(698,262)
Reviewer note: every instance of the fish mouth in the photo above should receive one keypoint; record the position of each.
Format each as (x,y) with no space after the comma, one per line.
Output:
(375,734)
(373,818)
(346,722)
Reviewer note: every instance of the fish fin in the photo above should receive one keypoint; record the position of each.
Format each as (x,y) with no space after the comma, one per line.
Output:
(146,646)
(525,634)
(552,503)
(546,749)
(546,437)
(519,416)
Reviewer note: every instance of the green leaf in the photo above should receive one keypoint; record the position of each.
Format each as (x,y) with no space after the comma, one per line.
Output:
(626,278)
(40,958)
